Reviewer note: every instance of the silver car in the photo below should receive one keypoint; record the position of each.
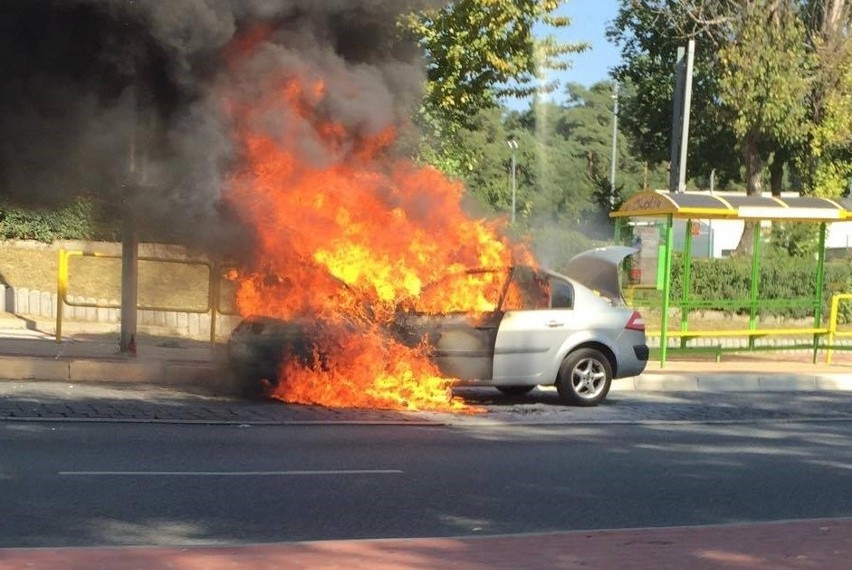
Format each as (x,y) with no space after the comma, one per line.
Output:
(540,328)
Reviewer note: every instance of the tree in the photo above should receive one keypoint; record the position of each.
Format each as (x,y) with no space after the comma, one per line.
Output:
(649,35)
(487,178)
(754,62)
(764,87)
(825,162)
(477,53)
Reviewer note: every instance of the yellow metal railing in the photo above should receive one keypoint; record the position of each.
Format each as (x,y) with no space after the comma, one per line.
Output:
(213,290)
(722,333)
(831,330)
(833,333)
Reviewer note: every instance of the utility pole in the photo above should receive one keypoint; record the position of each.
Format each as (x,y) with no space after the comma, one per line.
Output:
(614,147)
(680,116)
(513,144)
(130,254)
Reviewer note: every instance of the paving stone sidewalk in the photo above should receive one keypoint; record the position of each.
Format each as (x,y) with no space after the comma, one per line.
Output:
(52,401)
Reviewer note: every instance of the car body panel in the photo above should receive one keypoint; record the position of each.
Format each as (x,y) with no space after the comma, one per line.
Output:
(528,342)
(531,345)
(541,317)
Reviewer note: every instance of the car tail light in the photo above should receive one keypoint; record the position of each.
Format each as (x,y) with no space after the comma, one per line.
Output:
(636,322)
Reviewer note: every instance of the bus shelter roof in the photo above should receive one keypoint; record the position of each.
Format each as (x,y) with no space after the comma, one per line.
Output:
(704,205)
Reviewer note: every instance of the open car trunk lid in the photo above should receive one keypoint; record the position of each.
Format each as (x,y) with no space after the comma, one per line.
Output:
(598,269)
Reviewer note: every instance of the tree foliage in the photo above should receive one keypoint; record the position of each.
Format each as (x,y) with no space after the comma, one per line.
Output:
(826,160)
(479,51)
(773,75)
(762,82)
(562,161)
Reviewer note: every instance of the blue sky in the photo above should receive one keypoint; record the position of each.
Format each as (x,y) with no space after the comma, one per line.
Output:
(589,19)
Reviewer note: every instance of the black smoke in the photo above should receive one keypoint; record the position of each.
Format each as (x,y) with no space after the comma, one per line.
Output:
(119,100)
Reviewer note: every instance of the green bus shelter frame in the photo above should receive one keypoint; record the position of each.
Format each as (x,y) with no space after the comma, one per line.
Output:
(666,207)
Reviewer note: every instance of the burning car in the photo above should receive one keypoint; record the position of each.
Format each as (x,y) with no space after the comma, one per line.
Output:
(529,327)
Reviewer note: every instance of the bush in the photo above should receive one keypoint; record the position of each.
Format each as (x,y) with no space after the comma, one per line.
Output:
(75,221)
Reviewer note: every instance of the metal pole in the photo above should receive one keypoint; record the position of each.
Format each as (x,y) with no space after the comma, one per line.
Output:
(61,292)
(677,113)
(667,290)
(513,144)
(820,285)
(687,281)
(130,259)
(680,116)
(687,104)
(614,140)
(754,286)
(129,287)
(213,299)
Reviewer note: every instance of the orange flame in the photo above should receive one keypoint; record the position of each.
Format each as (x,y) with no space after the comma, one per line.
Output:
(347,232)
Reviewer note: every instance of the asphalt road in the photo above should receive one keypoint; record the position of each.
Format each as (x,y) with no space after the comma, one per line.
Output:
(130,484)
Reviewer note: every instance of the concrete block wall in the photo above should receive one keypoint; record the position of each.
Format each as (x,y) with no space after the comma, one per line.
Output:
(42,304)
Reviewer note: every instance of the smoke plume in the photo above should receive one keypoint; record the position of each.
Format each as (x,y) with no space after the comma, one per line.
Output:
(122,100)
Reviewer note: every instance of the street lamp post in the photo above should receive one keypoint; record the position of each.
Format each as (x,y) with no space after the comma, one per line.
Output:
(614,148)
(513,144)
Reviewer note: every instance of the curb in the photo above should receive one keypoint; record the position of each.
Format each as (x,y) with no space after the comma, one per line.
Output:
(117,370)
(446,423)
(734,382)
(121,370)
(235,423)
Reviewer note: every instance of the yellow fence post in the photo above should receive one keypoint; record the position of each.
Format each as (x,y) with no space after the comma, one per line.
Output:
(61,291)
(213,301)
(832,326)
(832,322)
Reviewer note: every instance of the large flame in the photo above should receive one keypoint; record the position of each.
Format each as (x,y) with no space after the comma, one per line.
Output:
(346,233)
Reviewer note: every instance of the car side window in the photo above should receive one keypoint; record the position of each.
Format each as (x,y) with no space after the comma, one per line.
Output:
(468,292)
(561,294)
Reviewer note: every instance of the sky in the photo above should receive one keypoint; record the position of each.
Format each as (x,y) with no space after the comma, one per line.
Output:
(589,19)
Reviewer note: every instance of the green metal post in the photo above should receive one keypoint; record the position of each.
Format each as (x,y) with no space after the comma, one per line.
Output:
(754,286)
(820,286)
(617,236)
(687,282)
(667,291)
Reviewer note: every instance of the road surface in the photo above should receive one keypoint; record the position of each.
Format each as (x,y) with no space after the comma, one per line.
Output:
(80,484)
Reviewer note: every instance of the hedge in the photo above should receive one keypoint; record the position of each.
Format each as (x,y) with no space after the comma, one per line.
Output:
(75,221)
(781,278)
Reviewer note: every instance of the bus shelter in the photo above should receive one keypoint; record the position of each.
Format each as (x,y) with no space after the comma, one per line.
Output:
(648,220)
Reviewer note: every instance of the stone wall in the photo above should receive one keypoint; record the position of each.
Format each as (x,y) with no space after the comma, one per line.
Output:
(43,305)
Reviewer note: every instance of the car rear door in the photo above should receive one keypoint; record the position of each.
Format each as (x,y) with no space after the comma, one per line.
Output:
(458,318)
(538,318)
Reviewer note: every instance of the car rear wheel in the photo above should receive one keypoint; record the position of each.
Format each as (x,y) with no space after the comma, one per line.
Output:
(584,377)
(515,390)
